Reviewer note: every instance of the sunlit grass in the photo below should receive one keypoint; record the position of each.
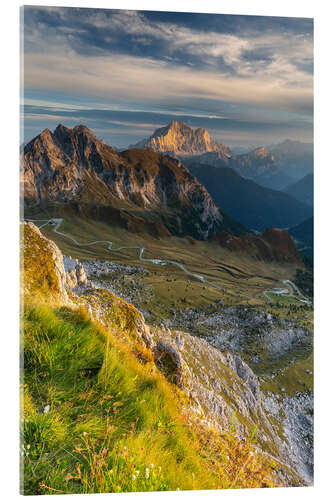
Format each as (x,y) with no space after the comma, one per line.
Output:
(96,419)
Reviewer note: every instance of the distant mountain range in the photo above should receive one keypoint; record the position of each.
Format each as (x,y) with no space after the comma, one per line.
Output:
(302,190)
(254,206)
(140,189)
(275,167)
(72,171)
(294,158)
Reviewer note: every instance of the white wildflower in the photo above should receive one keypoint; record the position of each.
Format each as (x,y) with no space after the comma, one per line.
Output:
(134,476)
(47,409)
(152,466)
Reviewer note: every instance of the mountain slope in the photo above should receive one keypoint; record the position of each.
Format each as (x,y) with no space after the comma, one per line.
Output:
(294,158)
(179,140)
(143,188)
(260,166)
(303,234)
(103,384)
(302,190)
(195,145)
(273,245)
(255,206)
(254,163)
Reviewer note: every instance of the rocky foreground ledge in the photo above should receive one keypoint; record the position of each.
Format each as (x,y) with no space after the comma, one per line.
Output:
(221,388)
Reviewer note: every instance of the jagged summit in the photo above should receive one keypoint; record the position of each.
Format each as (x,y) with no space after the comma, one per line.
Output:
(179,139)
(73,165)
(262,152)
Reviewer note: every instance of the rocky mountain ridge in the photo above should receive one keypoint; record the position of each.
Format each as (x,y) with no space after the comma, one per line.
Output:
(190,145)
(294,158)
(143,187)
(302,190)
(255,206)
(255,163)
(179,140)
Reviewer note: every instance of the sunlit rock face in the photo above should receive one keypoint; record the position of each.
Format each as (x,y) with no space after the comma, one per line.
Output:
(73,165)
(179,139)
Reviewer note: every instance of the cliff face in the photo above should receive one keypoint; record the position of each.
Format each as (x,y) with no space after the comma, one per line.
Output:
(46,271)
(179,139)
(73,165)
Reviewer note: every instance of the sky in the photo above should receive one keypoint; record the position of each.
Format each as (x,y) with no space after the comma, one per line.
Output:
(248,80)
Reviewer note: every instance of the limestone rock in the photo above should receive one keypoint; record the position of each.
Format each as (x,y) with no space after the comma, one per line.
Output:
(178,139)
(170,362)
(74,165)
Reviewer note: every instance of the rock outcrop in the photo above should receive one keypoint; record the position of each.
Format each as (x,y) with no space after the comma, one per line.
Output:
(44,262)
(75,273)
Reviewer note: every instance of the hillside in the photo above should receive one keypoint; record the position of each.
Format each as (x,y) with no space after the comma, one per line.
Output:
(138,189)
(274,245)
(302,190)
(102,384)
(303,235)
(254,206)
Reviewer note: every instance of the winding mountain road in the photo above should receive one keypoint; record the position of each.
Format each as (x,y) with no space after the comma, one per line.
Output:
(289,292)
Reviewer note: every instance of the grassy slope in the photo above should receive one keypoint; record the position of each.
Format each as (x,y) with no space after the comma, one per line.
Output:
(173,290)
(233,271)
(99,417)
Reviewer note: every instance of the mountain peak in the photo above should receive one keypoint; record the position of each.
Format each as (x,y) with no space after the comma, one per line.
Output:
(83,129)
(62,130)
(178,139)
(261,151)
(61,127)
(45,135)
(177,125)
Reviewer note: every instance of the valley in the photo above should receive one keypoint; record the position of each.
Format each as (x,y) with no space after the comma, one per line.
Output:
(212,293)
(140,226)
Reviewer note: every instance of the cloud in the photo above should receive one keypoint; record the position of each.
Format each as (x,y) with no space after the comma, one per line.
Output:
(197,66)
(143,80)
(121,128)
